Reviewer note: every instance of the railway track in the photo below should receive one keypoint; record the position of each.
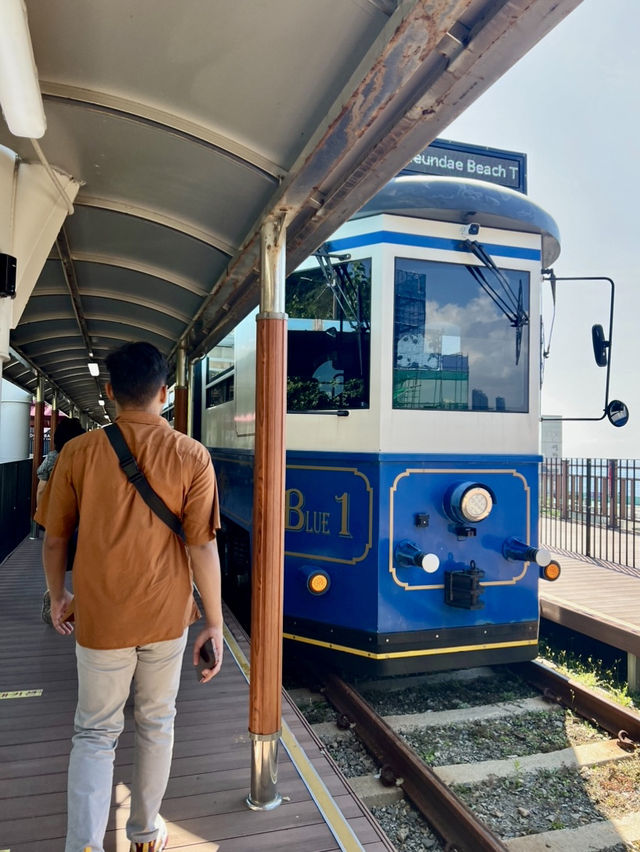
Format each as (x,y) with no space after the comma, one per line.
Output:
(468,804)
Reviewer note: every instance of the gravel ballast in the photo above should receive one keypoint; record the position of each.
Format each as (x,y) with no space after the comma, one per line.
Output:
(447,695)
(530,733)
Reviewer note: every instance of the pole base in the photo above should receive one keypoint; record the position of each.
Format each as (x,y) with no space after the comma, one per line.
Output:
(264,795)
(264,806)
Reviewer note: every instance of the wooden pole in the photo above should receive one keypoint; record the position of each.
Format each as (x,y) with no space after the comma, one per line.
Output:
(38,441)
(267,578)
(181,392)
(53,425)
(180,409)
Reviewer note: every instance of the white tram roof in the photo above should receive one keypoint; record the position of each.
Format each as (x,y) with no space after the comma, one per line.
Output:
(187,122)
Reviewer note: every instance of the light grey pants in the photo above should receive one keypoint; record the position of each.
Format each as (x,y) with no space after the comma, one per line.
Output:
(104,681)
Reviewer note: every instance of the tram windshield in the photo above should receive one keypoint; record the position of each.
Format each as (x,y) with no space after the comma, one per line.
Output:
(329,311)
(454,348)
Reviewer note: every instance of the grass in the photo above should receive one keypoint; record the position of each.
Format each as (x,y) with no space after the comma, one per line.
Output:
(591,670)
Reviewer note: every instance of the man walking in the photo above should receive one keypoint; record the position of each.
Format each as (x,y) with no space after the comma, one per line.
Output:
(133,601)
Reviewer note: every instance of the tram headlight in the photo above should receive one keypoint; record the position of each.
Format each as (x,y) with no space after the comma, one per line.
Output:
(469,503)
(476,504)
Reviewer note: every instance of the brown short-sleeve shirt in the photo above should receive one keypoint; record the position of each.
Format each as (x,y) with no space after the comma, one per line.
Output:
(131,576)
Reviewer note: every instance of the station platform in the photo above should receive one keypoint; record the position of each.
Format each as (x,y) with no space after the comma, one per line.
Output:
(600,599)
(204,805)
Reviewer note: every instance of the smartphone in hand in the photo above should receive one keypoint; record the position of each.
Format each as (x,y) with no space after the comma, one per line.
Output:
(208,658)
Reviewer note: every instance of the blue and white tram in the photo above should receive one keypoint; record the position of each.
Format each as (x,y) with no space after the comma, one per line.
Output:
(412,431)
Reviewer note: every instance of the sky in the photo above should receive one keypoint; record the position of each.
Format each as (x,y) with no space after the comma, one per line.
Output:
(572,105)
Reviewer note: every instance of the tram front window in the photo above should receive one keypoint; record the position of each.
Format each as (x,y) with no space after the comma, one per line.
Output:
(455,348)
(329,334)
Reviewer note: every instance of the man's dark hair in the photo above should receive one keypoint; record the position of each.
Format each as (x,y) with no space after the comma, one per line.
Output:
(137,372)
(67,428)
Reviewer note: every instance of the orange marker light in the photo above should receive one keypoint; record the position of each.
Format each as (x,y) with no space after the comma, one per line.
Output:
(551,571)
(318,583)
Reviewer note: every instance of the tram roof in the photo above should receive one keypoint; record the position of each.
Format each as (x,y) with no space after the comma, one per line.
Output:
(188,122)
(448,199)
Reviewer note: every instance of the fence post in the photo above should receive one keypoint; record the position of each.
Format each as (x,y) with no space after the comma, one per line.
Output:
(564,511)
(588,508)
(612,476)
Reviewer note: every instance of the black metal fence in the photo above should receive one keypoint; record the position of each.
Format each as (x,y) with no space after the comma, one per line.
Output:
(15,504)
(590,506)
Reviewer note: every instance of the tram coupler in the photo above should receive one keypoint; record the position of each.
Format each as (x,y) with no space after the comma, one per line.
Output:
(462,588)
(407,554)
(517,551)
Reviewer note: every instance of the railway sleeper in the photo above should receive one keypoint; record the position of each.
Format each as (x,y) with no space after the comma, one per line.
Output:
(593,836)
(373,792)
(438,718)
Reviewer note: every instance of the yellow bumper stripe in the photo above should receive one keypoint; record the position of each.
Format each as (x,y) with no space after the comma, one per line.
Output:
(422,652)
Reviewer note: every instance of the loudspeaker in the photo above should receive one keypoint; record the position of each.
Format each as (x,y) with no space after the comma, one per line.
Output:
(7,276)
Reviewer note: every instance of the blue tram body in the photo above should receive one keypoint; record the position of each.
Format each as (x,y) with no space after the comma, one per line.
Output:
(412,432)
(347,517)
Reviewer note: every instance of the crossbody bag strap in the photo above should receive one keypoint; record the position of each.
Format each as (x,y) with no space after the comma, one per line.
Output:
(137,478)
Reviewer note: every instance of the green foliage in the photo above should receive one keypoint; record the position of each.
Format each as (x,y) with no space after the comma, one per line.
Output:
(305,395)
(591,672)
(308,296)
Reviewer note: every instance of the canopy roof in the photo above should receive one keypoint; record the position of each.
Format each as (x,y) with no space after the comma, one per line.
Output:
(188,122)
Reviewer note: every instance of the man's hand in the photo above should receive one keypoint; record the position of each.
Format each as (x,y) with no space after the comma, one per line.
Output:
(54,556)
(215,634)
(206,574)
(59,607)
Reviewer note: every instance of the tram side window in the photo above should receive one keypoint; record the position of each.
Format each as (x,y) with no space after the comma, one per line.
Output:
(329,337)
(219,385)
(454,348)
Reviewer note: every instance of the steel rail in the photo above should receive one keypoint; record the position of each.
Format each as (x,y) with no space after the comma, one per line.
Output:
(617,720)
(448,815)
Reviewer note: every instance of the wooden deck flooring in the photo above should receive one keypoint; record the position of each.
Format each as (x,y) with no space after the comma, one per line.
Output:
(598,598)
(210,777)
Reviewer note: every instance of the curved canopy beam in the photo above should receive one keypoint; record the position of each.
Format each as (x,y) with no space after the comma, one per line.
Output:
(125,298)
(136,111)
(158,218)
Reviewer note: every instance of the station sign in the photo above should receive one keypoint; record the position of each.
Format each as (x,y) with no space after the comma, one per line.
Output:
(456,159)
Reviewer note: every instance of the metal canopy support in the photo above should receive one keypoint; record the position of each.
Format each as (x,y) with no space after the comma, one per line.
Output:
(38,440)
(181,392)
(69,272)
(54,418)
(268,522)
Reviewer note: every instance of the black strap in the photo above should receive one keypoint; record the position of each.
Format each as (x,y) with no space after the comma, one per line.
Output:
(137,478)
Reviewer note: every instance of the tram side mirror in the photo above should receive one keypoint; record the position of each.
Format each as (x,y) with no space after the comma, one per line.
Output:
(600,345)
(618,413)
